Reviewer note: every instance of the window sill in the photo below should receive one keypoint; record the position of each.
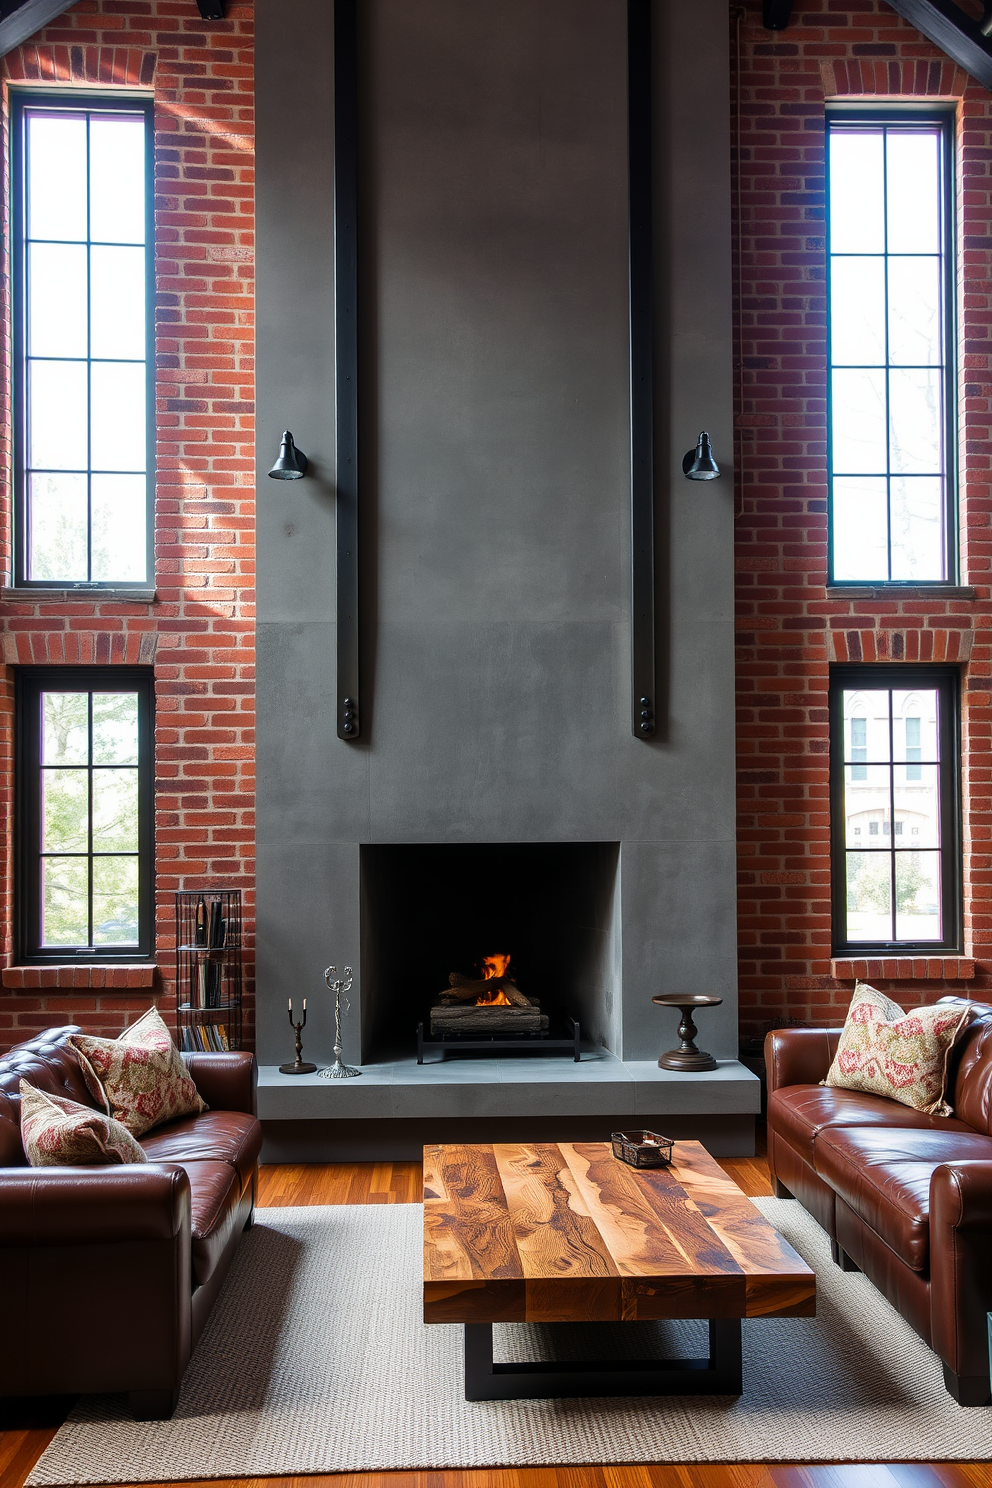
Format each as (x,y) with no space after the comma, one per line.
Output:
(910,968)
(118,975)
(900,591)
(83,591)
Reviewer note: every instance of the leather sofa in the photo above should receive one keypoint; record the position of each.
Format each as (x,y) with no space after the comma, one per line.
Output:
(108,1274)
(906,1198)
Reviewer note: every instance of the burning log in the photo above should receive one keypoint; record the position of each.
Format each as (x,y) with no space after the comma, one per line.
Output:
(487,1020)
(491,1004)
(484,990)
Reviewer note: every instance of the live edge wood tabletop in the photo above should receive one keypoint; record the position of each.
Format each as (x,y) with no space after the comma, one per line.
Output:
(564,1232)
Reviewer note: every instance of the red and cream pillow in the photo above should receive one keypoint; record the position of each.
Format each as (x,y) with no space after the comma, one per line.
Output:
(884,1051)
(138,1078)
(56,1132)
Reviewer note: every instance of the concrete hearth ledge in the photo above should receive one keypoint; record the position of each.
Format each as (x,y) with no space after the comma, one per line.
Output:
(527,1086)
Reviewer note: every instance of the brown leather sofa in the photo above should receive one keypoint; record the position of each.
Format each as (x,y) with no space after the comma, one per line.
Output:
(905,1198)
(108,1274)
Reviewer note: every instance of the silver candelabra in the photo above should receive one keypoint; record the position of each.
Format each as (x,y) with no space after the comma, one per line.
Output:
(340,986)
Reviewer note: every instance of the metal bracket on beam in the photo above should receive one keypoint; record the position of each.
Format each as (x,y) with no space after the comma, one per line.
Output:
(776,14)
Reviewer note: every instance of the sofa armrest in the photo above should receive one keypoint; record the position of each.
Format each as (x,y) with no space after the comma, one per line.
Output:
(227,1082)
(799,1056)
(91,1206)
(960,1276)
(74,1238)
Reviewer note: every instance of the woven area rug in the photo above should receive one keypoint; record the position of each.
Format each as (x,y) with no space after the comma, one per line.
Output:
(315,1360)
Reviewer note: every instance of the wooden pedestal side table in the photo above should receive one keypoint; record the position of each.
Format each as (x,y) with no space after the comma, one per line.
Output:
(566,1233)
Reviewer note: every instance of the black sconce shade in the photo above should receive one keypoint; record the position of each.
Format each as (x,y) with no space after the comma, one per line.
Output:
(699,464)
(292,462)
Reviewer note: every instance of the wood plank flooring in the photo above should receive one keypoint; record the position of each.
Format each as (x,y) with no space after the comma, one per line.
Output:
(26,1427)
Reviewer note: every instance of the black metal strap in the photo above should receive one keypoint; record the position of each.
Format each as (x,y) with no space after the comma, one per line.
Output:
(641,299)
(349,725)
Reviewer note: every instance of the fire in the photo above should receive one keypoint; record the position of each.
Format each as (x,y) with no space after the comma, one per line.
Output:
(493,967)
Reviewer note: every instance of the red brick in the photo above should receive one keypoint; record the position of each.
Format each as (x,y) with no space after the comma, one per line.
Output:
(205,448)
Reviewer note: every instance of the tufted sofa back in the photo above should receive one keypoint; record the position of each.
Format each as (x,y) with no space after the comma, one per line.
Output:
(970,1076)
(49,1063)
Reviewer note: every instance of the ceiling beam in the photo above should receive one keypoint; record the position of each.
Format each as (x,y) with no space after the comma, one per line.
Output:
(20,19)
(949,28)
(23,21)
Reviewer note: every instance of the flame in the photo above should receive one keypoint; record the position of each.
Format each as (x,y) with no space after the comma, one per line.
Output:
(492,967)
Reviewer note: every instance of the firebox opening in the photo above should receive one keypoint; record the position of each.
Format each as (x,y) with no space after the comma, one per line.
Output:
(540,919)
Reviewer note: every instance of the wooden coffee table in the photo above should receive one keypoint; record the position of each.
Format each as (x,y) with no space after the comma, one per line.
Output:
(566,1233)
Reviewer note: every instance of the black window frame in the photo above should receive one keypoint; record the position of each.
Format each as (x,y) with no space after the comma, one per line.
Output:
(906,114)
(30,683)
(22,102)
(947,683)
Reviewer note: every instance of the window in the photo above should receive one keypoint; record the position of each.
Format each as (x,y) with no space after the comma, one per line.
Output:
(82,257)
(84,772)
(898,884)
(890,320)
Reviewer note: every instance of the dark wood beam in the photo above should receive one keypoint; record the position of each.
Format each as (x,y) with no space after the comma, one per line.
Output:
(20,19)
(947,26)
(776,14)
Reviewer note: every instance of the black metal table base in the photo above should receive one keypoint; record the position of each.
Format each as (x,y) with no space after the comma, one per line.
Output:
(720,1374)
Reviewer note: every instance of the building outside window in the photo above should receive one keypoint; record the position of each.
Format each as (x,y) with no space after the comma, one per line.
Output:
(85,824)
(82,214)
(895,816)
(891,390)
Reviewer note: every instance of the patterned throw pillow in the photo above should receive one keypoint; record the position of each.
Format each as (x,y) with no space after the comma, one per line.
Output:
(56,1132)
(884,1051)
(139,1077)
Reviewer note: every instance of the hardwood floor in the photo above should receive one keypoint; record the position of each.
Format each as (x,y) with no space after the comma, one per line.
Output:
(26,1427)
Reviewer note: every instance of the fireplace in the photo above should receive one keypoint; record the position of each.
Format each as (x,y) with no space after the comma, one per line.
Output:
(504,940)
(497,799)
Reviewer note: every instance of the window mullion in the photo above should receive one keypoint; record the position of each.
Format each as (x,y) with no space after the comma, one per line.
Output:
(892,819)
(89,368)
(886,349)
(89,820)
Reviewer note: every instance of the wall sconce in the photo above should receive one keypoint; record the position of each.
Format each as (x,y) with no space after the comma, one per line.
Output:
(292,462)
(699,463)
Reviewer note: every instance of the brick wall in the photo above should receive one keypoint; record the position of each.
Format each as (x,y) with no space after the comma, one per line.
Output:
(790,626)
(200,630)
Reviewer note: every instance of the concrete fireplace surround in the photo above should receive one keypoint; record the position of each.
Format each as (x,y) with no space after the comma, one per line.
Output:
(495,551)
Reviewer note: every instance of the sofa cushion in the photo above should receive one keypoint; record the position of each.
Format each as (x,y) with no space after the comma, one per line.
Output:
(215,1193)
(220,1136)
(57,1132)
(139,1077)
(883,1175)
(904,1056)
(49,1064)
(799,1113)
